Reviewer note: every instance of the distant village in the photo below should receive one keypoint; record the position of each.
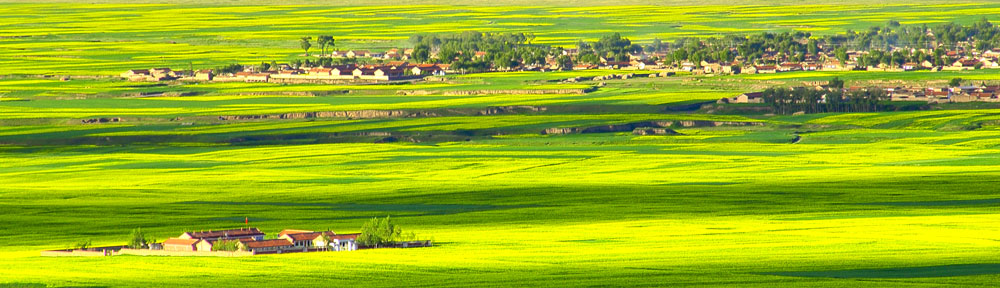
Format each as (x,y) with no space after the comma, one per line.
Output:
(960,94)
(377,233)
(285,73)
(889,48)
(394,66)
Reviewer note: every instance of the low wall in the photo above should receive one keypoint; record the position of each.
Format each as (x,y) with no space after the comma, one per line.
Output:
(72,253)
(147,252)
(410,244)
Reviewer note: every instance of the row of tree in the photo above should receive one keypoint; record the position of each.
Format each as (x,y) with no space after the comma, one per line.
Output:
(831,99)
(324,41)
(500,51)
(505,51)
(878,40)
(382,232)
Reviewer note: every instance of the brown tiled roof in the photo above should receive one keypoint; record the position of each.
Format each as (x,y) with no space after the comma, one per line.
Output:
(304,236)
(232,233)
(344,236)
(179,241)
(293,231)
(267,243)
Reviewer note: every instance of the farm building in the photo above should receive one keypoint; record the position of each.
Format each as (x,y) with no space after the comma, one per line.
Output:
(204,245)
(358,53)
(253,77)
(766,69)
(136,75)
(752,97)
(310,239)
(427,69)
(179,244)
(204,75)
(242,233)
(272,245)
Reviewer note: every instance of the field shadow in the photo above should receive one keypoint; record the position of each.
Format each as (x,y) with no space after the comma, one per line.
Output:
(900,272)
(420,209)
(939,203)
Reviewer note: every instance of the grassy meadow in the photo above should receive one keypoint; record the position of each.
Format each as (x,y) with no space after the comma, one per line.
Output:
(887,199)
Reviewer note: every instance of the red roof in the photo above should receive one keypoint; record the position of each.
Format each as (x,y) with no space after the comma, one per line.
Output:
(307,235)
(344,236)
(293,231)
(267,243)
(232,233)
(969,62)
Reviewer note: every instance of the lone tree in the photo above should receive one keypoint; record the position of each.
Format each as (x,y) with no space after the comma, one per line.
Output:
(378,232)
(83,245)
(955,82)
(304,43)
(836,83)
(138,239)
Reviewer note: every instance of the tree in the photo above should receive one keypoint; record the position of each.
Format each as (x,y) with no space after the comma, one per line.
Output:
(955,82)
(565,63)
(836,83)
(304,43)
(137,239)
(83,245)
(379,232)
(231,68)
(324,41)
(226,245)
(326,239)
(421,53)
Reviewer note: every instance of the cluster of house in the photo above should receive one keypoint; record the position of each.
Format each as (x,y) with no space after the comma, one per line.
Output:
(393,70)
(961,94)
(252,240)
(161,74)
(966,60)
(394,53)
(980,93)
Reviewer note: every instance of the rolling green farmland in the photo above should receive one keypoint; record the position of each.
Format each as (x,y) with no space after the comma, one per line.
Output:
(107,39)
(519,178)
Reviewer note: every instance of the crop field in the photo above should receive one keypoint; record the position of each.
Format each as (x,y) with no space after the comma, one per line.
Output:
(519,178)
(107,39)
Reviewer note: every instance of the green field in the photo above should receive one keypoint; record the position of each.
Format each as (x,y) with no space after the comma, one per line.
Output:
(888,199)
(109,38)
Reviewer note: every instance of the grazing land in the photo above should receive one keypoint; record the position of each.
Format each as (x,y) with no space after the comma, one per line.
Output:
(644,181)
